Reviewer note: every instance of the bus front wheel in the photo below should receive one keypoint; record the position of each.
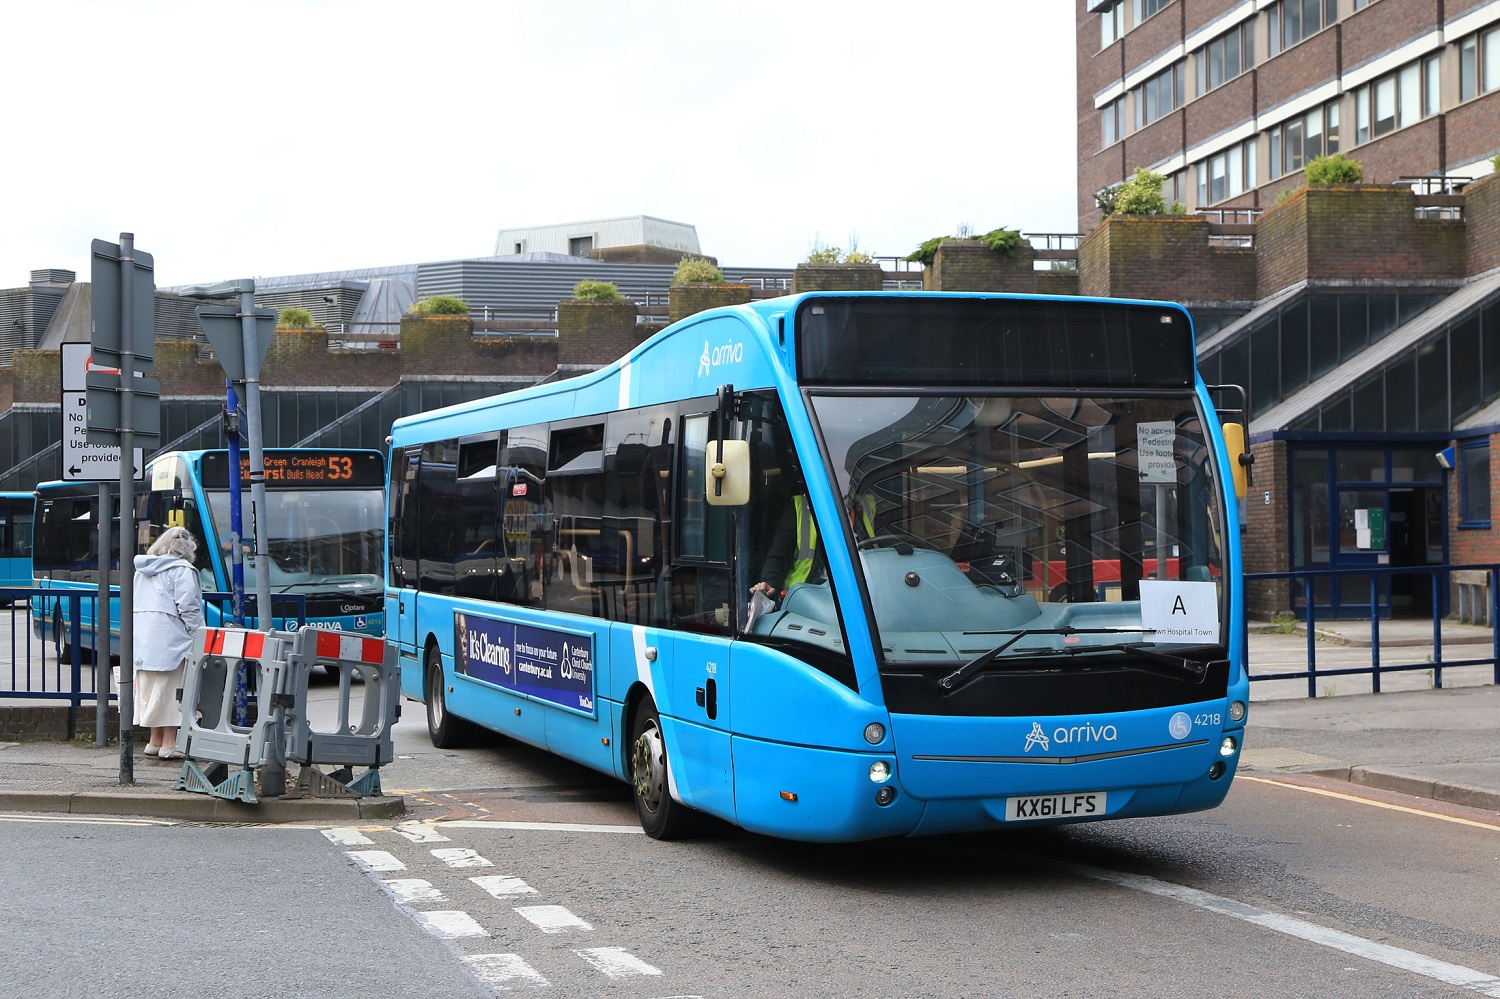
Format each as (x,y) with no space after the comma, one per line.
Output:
(661,816)
(445,731)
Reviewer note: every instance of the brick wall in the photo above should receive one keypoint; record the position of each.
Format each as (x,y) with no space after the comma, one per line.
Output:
(1482,218)
(969,265)
(1292,71)
(1156,142)
(49,723)
(1369,32)
(1474,130)
(690,299)
(1355,232)
(1266,541)
(595,332)
(1163,257)
(837,277)
(1222,108)
(1410,152)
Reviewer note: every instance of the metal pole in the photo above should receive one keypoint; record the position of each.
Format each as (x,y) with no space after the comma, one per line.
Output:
(273,774)
(240,706)
(127,484)
(101,676)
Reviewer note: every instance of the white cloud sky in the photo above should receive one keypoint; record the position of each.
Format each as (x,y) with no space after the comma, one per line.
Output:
(242,139)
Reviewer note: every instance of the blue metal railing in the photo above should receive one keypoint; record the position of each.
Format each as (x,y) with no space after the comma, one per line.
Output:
(1438,577)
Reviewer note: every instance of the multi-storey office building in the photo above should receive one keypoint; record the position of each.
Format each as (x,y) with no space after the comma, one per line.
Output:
(1366,332)
(1229,99)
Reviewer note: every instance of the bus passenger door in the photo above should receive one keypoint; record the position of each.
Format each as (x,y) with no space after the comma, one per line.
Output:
(401,573)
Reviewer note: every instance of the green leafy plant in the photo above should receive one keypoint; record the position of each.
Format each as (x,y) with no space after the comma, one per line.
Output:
(1284,195)
(1495,162)
(596,291)
(1335,169)
(1141,194)
(1105,198)
(1002,240)
(926,252)
(440,305)
(295,317)
(1177,208)
(822,253)
(695,270)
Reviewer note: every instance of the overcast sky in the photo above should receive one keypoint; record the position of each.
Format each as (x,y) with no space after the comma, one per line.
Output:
(244,139)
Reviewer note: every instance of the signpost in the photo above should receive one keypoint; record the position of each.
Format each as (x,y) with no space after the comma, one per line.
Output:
(124,344)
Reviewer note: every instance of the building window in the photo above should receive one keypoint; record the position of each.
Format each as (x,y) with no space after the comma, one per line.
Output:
(1111,25)
(579,246)
(1113,121)
(1159,96)
(1293,20)
(1474,483)
(1403,98)
(1145,8)
(1225,57)
(1226,175)
(1294,142)
(1468,68)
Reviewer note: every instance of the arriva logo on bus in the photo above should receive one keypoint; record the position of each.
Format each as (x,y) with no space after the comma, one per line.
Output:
(726,353)
(1073,734)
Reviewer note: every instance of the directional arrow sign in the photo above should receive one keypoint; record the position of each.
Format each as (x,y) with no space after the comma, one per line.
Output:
(82,461)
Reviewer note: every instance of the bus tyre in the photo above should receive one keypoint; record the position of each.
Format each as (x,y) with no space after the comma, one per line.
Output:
(445,731)
(59,638)
(661,816)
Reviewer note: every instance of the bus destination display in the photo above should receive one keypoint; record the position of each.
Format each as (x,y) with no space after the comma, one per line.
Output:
(302,468)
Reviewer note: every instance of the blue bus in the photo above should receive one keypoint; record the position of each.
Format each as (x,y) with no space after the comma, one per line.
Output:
(326,537)
(15,539)
(841,566)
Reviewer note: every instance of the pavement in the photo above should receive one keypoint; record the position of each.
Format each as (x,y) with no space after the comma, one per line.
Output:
(1429,735)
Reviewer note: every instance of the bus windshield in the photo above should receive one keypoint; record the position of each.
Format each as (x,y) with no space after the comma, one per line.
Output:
(319,540)
(1018,527)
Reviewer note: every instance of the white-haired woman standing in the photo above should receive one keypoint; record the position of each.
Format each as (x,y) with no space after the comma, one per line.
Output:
(168,612)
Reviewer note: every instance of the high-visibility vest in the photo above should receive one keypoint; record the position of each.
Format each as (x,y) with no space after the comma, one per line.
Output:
(807,535)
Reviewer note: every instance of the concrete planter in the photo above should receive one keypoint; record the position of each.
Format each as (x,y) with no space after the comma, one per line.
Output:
(837,277)
(969,265)
(595,332)
(690,299)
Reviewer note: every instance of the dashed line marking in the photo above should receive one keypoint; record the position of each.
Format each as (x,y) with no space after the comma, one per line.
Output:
(409,890)
(552,919)
(504,971)
(347,837)
(88,820)
(449,924)
(375,861)
(1394,957)
(455,857)
(540,826)
(503,886)
(616,962)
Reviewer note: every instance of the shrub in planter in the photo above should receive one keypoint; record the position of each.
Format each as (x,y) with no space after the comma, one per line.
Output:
(596,291)
(439,305)
(696,270)
(1335,169)
(295,317)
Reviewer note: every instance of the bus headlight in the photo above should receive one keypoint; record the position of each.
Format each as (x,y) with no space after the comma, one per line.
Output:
(1228,746)
(1237,711)
(880,771)
(874,733)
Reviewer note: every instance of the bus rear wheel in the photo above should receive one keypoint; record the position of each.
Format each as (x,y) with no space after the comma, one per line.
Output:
(445,731)
(662,817)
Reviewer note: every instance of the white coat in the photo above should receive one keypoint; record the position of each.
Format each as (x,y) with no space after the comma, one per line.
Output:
(168,611)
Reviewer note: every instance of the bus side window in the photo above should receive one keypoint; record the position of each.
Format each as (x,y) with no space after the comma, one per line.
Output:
(700,581)
(476,521)
(436,485)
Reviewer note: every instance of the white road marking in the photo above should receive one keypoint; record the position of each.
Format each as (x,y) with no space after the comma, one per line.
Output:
(414,890)
(504,971)
(448,924)
(1395,957)
(420,832)
(503,886)
(616,962)
(552,918)
(375,861)
(455,857)
(89,820)
(1424,813)
(348,837)
(541,826)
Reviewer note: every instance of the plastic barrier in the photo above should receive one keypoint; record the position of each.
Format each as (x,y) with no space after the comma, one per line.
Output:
(281,732)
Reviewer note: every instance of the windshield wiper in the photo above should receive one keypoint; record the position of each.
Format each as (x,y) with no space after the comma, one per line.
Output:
(974,665)
(1161,663)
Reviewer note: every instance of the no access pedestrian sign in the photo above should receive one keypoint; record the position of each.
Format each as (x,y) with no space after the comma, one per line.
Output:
(82,461)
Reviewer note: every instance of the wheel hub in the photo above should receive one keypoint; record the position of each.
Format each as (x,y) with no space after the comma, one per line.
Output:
(647,768)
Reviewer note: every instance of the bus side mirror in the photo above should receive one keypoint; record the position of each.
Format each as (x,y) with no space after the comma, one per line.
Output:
(1240,459)
(727,478)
